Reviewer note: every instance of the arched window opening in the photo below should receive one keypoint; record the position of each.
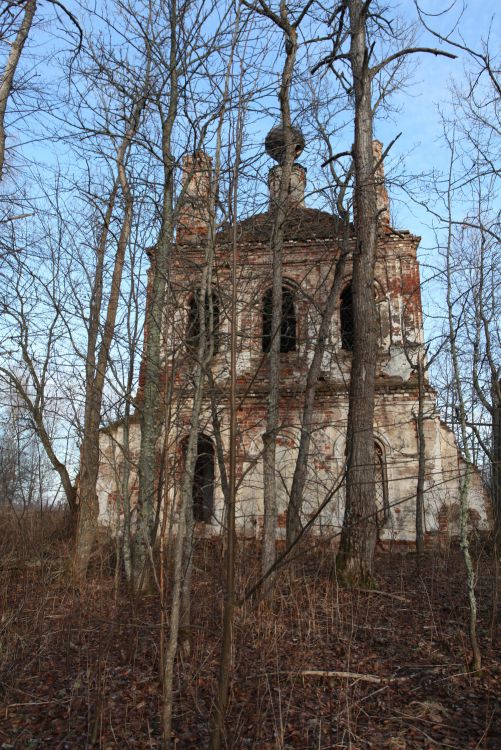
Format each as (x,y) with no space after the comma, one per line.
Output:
(288,329)
(383,318)
(211,309)
(381,485)
(346,318)
(202,492)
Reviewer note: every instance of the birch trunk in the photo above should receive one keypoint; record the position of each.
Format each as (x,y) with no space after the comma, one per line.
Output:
(461,411)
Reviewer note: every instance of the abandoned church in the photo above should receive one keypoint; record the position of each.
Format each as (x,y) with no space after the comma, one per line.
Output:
(312,246)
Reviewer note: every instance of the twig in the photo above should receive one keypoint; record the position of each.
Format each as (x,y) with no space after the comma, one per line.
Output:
(383,593)
(342,675)
(36,703)
(352,676)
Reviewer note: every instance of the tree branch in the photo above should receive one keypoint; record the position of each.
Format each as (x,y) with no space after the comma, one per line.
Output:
(335,158)
(409,51)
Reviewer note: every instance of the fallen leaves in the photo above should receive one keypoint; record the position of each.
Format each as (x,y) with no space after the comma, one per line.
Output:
(314,667)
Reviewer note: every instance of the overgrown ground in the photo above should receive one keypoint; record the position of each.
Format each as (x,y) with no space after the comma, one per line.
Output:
(81,669)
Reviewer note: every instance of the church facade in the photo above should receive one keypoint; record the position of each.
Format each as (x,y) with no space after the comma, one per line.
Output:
(312,246)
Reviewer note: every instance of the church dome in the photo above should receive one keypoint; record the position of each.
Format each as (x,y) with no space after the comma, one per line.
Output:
(275,142)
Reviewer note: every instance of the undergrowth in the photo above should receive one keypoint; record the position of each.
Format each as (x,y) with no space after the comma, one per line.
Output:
(314,665)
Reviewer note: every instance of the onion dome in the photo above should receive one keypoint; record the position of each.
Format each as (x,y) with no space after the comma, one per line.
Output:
(276,139)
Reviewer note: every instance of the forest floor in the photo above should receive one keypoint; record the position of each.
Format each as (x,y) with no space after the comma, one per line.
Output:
(80,668)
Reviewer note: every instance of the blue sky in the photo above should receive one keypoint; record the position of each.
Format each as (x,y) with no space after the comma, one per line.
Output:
(417,151)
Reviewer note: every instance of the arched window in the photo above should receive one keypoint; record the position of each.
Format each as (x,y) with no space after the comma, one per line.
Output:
(288,334)
(202,492)
(211,320)
(381,484)
(346,318)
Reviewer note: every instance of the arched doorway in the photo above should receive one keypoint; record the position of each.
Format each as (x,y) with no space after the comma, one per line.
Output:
(381,486)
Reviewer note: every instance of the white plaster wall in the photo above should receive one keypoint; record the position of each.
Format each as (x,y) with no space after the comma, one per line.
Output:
(396,433)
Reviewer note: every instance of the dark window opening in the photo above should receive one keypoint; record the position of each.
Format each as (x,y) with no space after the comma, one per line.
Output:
(288,335)
(211,309)
(381,486)
(346,319)
(202,492)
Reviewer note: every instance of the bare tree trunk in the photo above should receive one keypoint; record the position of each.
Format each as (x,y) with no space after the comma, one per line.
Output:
(180,621)
(496,462)
(421,462)
(125,498)
(170,652)
(301,467)
(10,71)
(183,549)
(151,408)
(183,546)
(465,480)
(205,351)
(229,600)
(470,573)
(220,450)
(89,450)
(181,596)
(277,241)
(88,510)
(359,533)
(190,459)
(496,492)
(231,484)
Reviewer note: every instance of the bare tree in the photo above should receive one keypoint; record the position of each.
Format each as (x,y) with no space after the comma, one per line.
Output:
(466,216)
(167,105)
(230,480)
(100,341)
(340,187)
(473,182)
(465,479)
(354,23)
(285,151)
(24,468)
(16,26)
(34,331)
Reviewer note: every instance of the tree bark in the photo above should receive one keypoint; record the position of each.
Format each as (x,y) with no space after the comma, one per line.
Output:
(359,533)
